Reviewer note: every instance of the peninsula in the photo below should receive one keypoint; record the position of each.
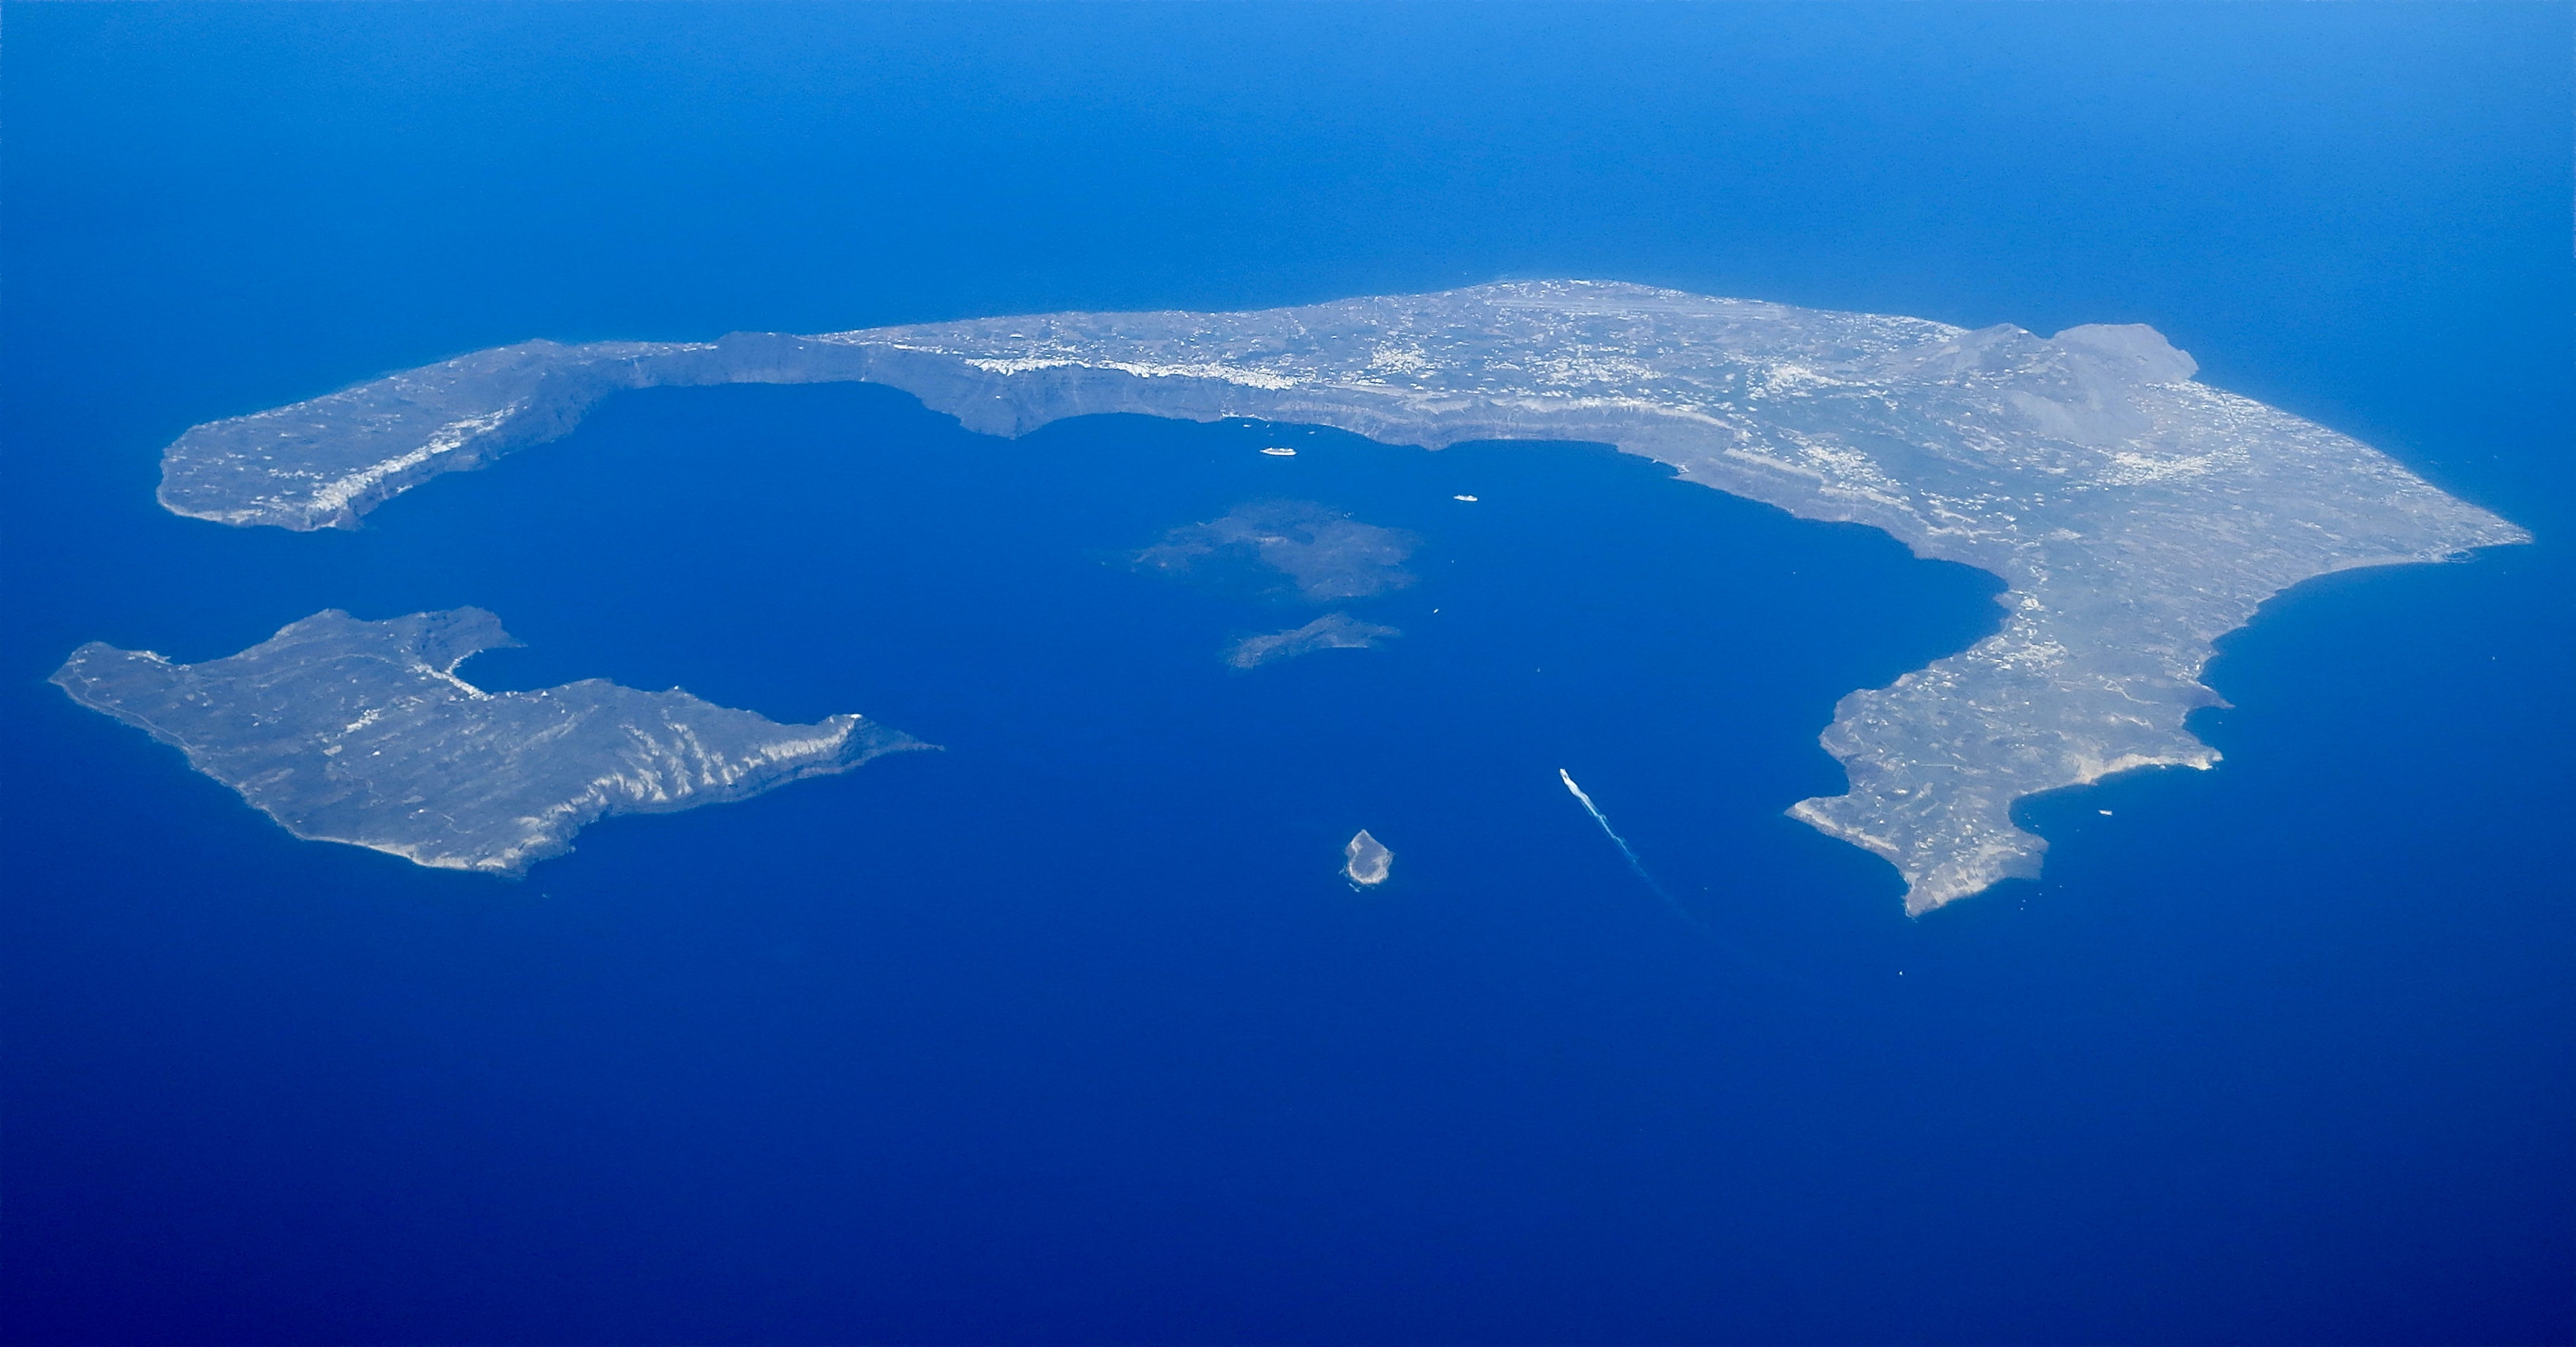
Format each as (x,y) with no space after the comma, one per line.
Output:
(2135,514)
(361,732)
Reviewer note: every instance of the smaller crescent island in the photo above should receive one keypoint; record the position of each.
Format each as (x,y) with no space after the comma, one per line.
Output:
(361,732)
(2135,514)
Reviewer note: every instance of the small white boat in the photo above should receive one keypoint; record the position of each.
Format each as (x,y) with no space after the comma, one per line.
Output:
(1280,451)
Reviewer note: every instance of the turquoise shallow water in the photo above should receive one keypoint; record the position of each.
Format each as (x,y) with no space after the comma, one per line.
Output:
(1071,1032)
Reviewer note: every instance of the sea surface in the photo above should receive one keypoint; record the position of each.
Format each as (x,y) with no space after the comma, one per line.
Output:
(1072,1032)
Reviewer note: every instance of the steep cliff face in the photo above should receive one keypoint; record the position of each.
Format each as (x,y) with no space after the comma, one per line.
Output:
(2135,515)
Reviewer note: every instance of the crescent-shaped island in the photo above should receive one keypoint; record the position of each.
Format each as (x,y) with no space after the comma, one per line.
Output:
(2135,515)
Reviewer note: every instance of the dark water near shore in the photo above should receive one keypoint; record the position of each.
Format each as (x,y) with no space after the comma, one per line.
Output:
(1071,1032)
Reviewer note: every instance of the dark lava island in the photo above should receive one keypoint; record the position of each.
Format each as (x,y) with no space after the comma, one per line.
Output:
(361,732)
(2135,514)
(1332,631)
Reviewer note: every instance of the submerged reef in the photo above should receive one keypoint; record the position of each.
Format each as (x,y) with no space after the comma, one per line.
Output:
(2134,513)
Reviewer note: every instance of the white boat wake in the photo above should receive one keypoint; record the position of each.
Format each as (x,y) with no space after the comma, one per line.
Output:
(1627,851)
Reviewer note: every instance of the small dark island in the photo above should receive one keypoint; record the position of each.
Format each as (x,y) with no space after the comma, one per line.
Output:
(1332,631)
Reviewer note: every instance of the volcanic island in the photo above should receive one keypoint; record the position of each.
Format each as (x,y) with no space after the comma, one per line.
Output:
(2134,514)
(344,730)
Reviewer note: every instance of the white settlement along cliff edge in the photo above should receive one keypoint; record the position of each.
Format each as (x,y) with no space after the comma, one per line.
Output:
(2136,515)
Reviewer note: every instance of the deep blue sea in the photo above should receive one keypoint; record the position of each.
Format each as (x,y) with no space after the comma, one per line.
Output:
(1071,1032)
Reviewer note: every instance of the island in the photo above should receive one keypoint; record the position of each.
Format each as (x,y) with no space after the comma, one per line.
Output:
(1332,631)
(361,732)
(1322,554)
(1365,860)
(2134,514)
